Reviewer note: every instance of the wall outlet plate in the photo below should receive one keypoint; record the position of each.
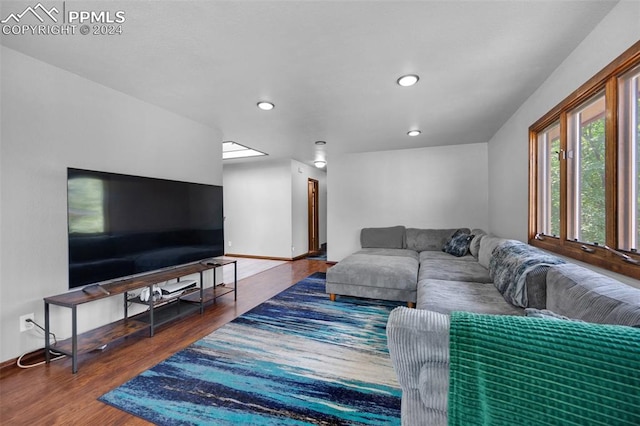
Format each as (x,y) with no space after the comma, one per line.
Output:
(24,325)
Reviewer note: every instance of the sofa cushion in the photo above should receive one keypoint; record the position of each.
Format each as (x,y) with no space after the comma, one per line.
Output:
(440,255)
(429,239)
(458,244)
(581,293)
(474,247)
(447,296)
(390,237)
(487,244)
(453,270)
(392,272)
(389,252)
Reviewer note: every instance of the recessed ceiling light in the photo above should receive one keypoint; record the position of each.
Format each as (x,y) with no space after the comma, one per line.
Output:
(413,132)
(408,80)
(265,106)
(321,142)
(320,163)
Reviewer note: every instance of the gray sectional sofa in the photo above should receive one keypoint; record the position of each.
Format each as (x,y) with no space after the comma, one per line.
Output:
(496,276)
(409,265)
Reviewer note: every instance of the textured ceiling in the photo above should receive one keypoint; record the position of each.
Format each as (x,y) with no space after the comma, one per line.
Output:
(329,66)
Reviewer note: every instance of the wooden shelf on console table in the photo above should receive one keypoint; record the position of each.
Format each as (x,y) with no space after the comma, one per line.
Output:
(210,294)
(101,336)
(163,310)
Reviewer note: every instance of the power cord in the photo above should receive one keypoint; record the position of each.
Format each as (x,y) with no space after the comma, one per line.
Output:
(57,355)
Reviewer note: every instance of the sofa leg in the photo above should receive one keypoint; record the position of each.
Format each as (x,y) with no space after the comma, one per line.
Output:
(332,297)
(411,304)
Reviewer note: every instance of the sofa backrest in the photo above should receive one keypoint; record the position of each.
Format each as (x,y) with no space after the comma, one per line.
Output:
(581,293)
(429,239)
(390,237)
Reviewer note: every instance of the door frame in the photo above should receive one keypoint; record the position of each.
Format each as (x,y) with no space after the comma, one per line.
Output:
(313,212)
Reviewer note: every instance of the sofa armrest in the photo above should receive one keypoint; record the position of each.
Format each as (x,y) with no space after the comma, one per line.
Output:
(417,339)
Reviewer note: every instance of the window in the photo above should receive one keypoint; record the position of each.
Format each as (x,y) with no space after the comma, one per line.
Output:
(629,155)
(549,181)
(585,171)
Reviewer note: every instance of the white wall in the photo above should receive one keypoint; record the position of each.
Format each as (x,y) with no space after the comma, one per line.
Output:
(508,149)
(265,206)
(438,187)
(257,208)
(51,120)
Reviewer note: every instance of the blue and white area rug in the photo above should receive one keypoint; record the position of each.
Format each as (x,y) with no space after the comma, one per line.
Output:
(296,359)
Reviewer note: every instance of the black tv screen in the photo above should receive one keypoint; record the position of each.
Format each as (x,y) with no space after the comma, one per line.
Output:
(121,225)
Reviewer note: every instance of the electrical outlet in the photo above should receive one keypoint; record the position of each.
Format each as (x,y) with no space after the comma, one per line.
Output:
(229,243)
(24,324)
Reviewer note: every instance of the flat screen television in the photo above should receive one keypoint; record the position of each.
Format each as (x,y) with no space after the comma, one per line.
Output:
(121,226)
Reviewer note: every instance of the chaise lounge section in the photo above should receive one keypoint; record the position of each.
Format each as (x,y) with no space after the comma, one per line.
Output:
(384,269)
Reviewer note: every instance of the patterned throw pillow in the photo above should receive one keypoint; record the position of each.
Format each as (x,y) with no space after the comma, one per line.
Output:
(458,244)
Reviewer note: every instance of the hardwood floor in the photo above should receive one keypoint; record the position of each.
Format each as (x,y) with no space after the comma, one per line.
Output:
(52,395)
(248,266)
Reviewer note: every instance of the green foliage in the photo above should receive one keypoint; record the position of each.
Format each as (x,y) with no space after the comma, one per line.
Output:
(592,182)
(555,186)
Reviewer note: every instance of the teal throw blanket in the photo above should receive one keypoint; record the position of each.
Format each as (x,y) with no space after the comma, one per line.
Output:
(510,370)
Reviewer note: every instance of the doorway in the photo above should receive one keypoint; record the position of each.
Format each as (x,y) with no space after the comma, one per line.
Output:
(314,232)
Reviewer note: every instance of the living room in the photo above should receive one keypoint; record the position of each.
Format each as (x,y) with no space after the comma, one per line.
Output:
(54,118)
